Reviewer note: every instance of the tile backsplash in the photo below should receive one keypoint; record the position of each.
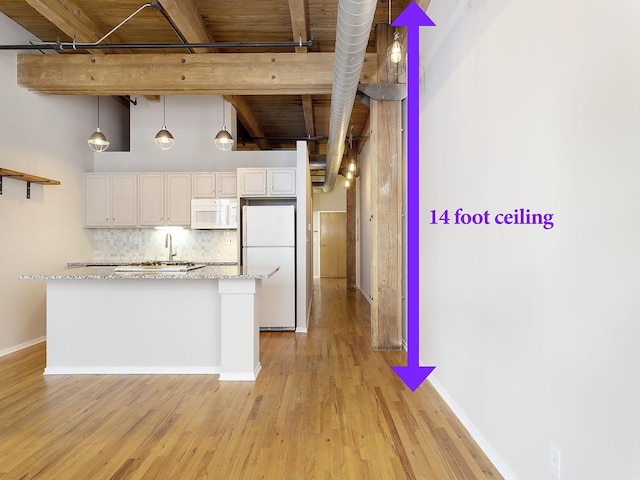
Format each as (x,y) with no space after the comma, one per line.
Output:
(140,244)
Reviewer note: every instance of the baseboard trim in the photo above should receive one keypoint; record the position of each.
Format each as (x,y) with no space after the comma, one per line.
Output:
(22,346)
(484,445)
(366,297)
(241,376)
(132,370)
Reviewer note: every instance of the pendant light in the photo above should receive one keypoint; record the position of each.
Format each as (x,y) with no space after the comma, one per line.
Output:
(223,140)
(97,141)
(164,139)
(395,53)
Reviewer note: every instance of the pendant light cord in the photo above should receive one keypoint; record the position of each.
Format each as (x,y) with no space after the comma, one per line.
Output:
(164,111)
(224,121)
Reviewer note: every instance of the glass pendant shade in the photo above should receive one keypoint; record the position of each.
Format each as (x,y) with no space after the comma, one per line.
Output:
(396,56)
(224,140)
(98,142)
(164,139)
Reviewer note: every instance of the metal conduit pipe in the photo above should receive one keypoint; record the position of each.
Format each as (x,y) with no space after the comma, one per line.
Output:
(355,18)
(60,46)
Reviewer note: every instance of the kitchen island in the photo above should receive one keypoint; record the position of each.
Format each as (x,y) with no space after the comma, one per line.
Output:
(204,321)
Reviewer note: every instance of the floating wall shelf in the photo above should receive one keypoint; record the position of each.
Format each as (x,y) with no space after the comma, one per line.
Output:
(25,177)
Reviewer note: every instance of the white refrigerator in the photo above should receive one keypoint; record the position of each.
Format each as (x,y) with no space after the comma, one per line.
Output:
(269,239)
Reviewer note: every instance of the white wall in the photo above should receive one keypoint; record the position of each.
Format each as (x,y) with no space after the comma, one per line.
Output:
(535,332)
(194,122)
(45,136)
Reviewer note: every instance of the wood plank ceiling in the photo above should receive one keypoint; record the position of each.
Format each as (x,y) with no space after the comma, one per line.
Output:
(267,120)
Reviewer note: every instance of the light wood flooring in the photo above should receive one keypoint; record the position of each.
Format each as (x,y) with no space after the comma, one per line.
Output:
(325,406)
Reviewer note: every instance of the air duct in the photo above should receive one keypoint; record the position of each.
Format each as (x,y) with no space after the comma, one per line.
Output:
(355,18)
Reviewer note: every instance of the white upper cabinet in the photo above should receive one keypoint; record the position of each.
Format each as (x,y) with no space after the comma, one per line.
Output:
(214,185)
(227,185)
(151,205)
(178,199)
(111,200)
(97,200)
(124,200)
(267,182)
(165,199)
(137,199)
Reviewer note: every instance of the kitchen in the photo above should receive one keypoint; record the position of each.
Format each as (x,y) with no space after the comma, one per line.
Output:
(194,158)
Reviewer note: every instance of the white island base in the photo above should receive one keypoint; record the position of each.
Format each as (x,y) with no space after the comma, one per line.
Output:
(186,325)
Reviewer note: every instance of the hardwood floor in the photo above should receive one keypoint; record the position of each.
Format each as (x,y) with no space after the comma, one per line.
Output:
(325,406)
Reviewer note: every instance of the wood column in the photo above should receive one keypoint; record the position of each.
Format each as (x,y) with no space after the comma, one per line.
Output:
(386,202)
(351,227)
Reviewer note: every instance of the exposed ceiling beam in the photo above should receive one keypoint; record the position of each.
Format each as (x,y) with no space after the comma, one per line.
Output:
(77,24)
(298,12)
(205,74)
(299,27)
(73,20)
(309,120)
(248,119)
(186,18)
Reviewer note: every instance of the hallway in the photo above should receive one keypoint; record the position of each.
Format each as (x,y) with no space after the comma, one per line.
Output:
(325,406)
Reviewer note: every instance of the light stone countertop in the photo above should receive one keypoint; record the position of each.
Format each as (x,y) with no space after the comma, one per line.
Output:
(106,263)
(205,273)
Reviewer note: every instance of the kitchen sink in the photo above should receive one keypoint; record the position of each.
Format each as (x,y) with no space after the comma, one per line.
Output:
(159,267)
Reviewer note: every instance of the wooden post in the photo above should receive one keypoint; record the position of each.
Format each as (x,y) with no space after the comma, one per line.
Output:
(351,227)
(386,201)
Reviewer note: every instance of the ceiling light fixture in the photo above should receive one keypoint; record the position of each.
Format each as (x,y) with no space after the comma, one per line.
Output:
(97,141)
(347,184)
(223,140)
(164,139)
(396,54)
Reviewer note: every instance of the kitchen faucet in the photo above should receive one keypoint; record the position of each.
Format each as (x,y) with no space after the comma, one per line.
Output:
(168,243)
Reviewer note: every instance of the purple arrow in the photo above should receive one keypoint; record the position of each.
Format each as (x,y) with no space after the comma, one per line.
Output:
(413,17)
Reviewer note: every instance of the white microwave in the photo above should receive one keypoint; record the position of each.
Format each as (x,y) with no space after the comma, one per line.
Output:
(214,213)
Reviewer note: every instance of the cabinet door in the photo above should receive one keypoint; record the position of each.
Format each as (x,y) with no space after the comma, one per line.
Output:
(282,181)
(252,182)
(178,203)
(151,199)
(204,185)
(124,200)
(97,200)
(227,185)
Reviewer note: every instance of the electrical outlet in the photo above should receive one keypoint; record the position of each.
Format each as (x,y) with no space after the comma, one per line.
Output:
(554,460)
